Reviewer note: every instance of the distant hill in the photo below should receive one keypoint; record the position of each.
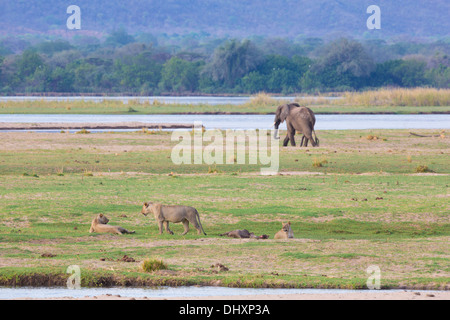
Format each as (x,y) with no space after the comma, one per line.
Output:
(281,18)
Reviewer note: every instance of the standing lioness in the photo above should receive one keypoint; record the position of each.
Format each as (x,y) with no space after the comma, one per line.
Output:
(99,224)
(165,214)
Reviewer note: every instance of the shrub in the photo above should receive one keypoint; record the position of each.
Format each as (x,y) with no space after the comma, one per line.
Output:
(319,162)
(149,265)
(423,168)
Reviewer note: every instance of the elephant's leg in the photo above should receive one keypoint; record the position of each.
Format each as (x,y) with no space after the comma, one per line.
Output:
(291,137)
(285,141)
(186,226)
(290,134)
(303,141)
(166,226)
(309,136)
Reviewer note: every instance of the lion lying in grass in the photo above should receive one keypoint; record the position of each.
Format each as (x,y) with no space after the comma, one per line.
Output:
(99,224)
(285,232)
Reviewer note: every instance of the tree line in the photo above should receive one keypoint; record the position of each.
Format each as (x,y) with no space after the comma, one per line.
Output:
(122,64)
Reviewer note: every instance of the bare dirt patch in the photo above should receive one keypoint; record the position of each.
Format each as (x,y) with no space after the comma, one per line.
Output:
(91,126)
(94,143)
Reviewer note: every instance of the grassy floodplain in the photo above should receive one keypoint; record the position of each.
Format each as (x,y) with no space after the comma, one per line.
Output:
(387,101)
(366,197)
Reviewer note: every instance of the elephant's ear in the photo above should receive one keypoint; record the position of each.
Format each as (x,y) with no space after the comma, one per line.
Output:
(284,112)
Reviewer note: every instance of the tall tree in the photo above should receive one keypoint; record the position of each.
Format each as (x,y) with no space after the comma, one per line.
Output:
(179,75)
(232,61)
(119,38)
(348,55)
(1,62)
(342,64)
(137,71)
(28,63)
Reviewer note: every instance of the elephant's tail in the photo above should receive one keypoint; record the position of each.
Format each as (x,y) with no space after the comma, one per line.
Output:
(198,218)
(316,140)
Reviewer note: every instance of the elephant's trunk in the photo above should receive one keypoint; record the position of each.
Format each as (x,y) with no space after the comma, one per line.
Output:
(275,134)
(276,124)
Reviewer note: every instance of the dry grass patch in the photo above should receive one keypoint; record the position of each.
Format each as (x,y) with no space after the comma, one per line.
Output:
(421,97)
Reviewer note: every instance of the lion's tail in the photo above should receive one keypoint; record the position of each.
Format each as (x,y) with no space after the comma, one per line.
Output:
(200,224)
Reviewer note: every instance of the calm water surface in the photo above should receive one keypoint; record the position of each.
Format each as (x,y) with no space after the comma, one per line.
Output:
(161,292)
(324,122)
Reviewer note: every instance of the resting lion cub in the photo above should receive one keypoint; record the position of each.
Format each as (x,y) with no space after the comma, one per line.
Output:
(99,224)
(285,232)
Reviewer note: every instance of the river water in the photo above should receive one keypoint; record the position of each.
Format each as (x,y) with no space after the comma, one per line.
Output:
(160,292)
(323,122)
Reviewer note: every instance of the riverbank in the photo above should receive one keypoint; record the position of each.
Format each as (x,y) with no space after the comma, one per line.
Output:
(384,101)
(94,126)
(137,107)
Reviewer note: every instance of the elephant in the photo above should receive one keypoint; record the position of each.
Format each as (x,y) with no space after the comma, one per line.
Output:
(298,118)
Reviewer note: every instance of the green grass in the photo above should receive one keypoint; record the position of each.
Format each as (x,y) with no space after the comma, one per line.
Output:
(343,152)
(253,107)
(365,206)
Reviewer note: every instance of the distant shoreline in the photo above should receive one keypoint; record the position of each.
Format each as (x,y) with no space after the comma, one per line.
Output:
(398,101)
(91,126)
(239,113)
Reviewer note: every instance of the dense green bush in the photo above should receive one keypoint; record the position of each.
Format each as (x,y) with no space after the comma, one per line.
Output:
(122,65)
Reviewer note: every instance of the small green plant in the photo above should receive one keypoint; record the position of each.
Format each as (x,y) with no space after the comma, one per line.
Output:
(173,175)
(319,162)
(213,169)
(60,172)
(423,168)
(150,265)
(146,131)
(87,173)
(83,131)
(372,137)
(26,174)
